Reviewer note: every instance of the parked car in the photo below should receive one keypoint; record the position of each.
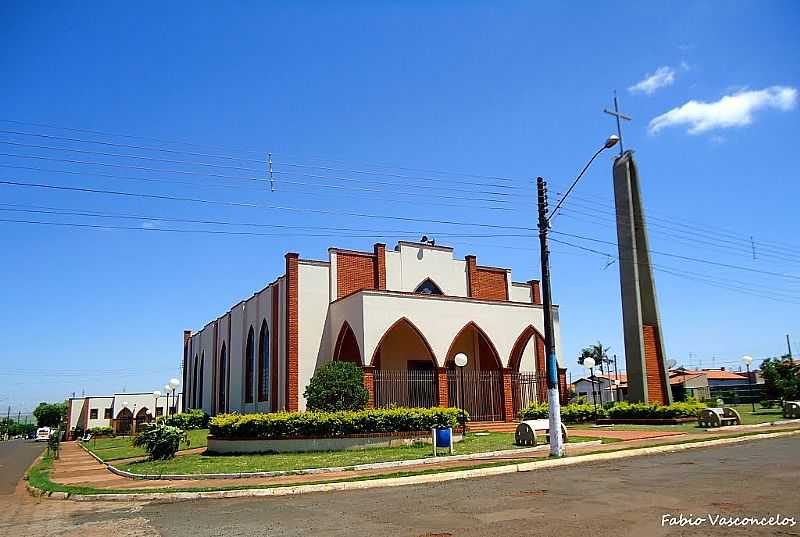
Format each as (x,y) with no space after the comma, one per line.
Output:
(43,434)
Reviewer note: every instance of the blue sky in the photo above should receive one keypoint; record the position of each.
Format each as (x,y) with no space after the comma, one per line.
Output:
(508,90)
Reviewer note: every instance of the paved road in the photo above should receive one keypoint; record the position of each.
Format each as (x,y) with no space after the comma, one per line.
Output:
(15,457)
(625,497)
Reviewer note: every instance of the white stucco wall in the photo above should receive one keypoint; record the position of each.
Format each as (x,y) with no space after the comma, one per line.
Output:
(409,266)
(520,292)
(312,313)
(100,404)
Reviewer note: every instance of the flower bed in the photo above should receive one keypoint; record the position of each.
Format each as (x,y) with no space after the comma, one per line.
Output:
(287,425)
(619,412)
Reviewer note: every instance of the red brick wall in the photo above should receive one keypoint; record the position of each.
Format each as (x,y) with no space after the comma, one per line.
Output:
(442,384)
(563,393)
(536,291)
(369,384)
(354,272)
(508,397)
(485,283)
(291,333)
(653,361)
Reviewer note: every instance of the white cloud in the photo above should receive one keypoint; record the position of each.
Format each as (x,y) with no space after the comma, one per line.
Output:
(664,76)
(734,110)
(150,224)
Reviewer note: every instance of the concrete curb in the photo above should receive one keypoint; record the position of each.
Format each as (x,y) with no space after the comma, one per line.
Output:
(427,478)
(356,467)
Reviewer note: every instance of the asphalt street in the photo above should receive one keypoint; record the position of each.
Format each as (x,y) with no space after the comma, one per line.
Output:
(15,457)
(620,498)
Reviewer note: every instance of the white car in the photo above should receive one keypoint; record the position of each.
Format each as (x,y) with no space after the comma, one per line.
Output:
(43,434)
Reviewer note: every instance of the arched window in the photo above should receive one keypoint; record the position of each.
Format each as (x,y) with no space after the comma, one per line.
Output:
(428,288)
(223,377)
(249,365)
(200,380)
(194,383)
(263,363)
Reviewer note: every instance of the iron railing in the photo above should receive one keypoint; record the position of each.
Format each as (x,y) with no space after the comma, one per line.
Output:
(483,393)
(408,388)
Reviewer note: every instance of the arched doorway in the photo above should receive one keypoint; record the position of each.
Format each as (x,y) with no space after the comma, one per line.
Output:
(481,380)
(142,417)
(528,372)
(405,368)
(346,349)
(124,422)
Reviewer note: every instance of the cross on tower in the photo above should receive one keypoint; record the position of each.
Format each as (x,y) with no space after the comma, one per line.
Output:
(618,115)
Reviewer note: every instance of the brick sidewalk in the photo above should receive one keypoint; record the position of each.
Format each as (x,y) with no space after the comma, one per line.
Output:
(76,467)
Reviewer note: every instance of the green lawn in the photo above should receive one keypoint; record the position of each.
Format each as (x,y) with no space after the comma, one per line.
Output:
(121,447)
(212,464)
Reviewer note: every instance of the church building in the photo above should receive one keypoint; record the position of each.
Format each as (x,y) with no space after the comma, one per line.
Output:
(401,315)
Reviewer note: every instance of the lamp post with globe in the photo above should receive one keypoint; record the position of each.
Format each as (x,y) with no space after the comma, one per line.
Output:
(588,363)
(461,361)
(173,384)
(747,361)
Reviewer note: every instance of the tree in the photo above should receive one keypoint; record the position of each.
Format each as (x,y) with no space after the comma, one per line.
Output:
(781,378)
(337,386)
(50,414)
(598,353)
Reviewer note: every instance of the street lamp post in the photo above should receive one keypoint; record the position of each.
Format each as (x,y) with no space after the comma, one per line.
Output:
(553,403)
(166,399)
(461,361)
(589,364)
(747,361)
(156,395)
(173,383)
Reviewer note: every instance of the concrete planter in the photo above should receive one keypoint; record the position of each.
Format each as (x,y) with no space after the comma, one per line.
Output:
(339,443)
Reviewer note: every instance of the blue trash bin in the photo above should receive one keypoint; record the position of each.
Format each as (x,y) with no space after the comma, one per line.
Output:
(443,437)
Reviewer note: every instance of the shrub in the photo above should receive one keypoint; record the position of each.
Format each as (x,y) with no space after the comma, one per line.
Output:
(767,403)
(101,431)
(579,412)
(337,386)
(328,424)
(77,432)
(161,441)
(193,419)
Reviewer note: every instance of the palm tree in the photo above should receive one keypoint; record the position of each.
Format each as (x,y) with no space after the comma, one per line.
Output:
(599,353)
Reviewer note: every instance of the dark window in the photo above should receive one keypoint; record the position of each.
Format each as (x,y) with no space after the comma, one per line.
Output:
(107,413)
(263,363)
(159,411)
(249,365)
(194,383)
(93,414)
(222,379)
(173,410)
(200,381)
(428,288)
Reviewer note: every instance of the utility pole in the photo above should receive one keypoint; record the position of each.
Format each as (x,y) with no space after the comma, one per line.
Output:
(553,401)
(616,378)
(789,346)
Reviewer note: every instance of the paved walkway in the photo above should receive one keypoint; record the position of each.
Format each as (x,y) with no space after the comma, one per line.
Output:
(77,468)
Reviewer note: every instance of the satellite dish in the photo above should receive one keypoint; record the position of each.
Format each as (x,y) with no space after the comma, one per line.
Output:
(671,363)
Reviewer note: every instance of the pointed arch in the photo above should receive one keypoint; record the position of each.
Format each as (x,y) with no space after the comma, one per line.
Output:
(487,352)
(194,382)
(263,362)
(528,335)
(200,380)
(347,349)
(222,379)
(428,287)
(249,366)
(402,322)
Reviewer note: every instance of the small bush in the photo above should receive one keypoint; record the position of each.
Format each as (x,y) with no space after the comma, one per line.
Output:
(580,413)
(161,441)
(193,419)
(337,386)
(101,431)
(77,432)
(767,403)
(330,424)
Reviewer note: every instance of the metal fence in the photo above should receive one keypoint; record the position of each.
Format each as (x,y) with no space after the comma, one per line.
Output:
(483,393)
(409,388)
(738,394)
(526,389)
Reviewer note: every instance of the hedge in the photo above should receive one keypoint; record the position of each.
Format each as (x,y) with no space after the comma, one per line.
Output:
(101,431)
(193,419)
(281,425)
(582,412)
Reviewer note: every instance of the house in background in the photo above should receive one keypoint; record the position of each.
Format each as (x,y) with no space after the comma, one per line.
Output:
(123,412)
(685,384)
(607,388)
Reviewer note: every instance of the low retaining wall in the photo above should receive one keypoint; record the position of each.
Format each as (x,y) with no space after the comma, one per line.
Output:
(340,443)
(648,421)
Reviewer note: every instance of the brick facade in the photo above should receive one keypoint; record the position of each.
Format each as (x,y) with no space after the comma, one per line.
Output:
(508,396)
(653,365)
(369,384)
(380,266)
(354,271)
(486,283)
(441,383)
(536,291)
(292,396)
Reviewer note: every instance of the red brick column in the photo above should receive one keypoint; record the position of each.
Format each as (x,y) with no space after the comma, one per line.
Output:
(369,384)
(541,369)
(380,266)
(508,396)
(441,381)
(536,291)
(292,398)
(562,385)
(472,274)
